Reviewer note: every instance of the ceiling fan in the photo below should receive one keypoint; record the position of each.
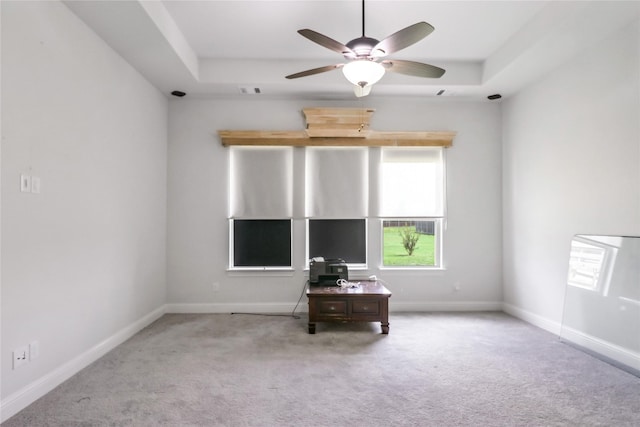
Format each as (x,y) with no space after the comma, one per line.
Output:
(365,55)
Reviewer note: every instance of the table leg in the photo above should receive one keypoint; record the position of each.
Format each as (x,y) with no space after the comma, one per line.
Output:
(384,315)
(312,328)
(385,328)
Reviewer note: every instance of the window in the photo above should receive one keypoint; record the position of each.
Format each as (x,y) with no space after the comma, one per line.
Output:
(262,243)
(338,238)
(337,203)
(410,243)
(337,182)
(412,206)
(260,207)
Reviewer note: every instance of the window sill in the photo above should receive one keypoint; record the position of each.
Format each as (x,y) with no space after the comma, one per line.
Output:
(351,267)
(261,271)
(414,270)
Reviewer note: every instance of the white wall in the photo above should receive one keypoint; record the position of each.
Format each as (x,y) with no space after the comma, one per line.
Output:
(197,216)
(84,260)
(571,165)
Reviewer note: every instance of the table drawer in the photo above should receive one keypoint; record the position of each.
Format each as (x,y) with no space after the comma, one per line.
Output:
(332,307)
(370,307)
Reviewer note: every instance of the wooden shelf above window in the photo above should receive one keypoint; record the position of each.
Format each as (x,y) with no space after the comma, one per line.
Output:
(301,139)
(334,127)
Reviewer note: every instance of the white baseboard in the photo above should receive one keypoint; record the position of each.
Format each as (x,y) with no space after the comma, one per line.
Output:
(394,306)
(225,308)
(399,306)
(608,351)
(24,397)
(534,319)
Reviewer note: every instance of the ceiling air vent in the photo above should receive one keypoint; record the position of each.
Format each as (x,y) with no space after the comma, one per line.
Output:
(446,92)
(250,90)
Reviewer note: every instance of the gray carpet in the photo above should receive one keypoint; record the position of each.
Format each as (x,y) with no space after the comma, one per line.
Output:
(433,369)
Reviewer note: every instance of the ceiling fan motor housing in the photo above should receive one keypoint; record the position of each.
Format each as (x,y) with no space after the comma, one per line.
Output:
(361,46)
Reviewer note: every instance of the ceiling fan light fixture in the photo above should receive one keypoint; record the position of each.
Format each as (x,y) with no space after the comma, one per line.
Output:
(363,72)
(364,67)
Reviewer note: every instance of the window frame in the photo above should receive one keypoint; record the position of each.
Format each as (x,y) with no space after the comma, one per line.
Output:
(351,265)
(259,190)
(232,244)
(440,220)
(438,243)
(374,211)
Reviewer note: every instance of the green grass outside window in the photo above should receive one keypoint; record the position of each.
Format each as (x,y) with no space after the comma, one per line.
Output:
(394,253)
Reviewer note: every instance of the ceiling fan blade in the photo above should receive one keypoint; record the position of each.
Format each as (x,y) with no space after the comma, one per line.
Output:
(401,39)
(325,41)
(314,71)
(412,68)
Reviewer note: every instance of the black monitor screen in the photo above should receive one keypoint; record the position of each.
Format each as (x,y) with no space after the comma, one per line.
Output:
(338,238)
(262,243)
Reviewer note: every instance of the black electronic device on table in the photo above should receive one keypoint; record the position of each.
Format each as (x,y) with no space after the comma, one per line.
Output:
(326,272)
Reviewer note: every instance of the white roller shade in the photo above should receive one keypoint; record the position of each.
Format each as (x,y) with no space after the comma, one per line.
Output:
(337,182)
(261,182)
(412,182)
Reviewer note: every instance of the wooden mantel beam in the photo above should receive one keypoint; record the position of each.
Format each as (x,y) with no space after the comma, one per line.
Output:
(371,139)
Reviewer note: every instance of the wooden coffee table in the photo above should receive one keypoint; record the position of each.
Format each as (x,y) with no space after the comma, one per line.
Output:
(369,302)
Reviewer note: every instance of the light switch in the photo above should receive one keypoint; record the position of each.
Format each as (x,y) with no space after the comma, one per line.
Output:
(25,183)
(20,356)
(35,184)
(34,350)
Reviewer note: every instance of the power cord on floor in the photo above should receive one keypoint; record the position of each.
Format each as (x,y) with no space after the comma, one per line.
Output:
(304,287)
(292,315)
(266,314)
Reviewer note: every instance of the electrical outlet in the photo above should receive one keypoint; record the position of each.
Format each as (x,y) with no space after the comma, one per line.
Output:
(20,356)
(216,287)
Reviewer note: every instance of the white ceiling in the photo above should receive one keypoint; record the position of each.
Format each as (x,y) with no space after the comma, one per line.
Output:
(214,48)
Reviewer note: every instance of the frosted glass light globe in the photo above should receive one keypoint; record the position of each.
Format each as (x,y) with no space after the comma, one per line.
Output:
(363,72)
